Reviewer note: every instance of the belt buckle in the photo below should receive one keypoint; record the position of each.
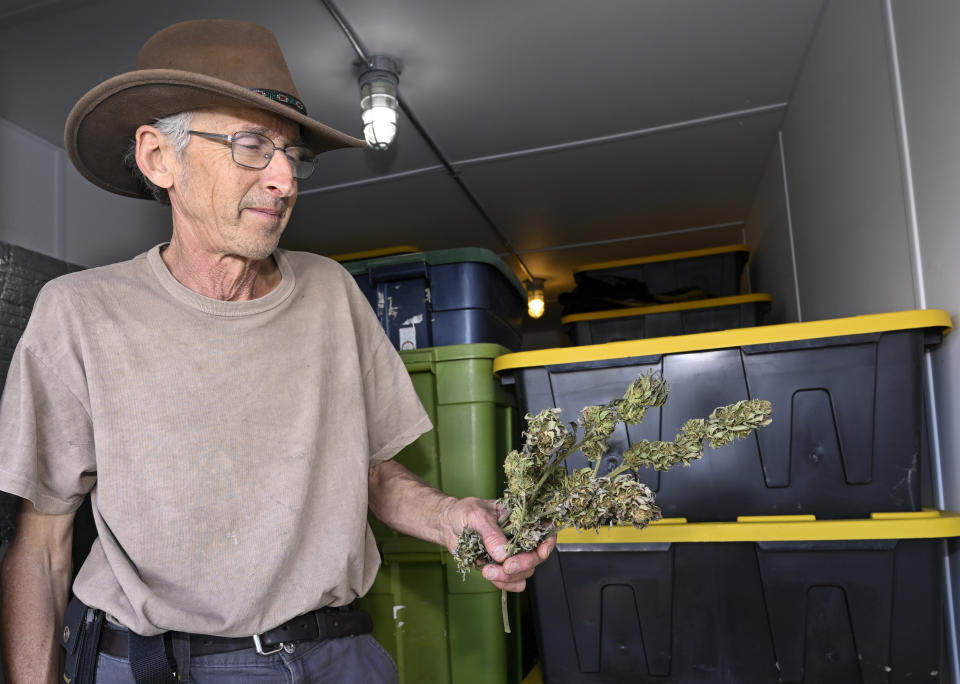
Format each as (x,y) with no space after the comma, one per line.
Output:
(259,646)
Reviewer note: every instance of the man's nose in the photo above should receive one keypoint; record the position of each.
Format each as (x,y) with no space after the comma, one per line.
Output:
(278,175)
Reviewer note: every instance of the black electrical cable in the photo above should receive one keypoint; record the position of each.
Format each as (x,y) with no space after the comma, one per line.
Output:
(427,138)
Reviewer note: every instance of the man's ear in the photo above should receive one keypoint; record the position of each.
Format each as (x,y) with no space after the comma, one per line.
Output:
(155,157)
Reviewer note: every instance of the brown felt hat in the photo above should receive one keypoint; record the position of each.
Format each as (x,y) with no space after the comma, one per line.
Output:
(194,64)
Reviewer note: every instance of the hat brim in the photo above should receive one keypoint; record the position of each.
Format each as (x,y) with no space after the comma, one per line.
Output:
(102,124)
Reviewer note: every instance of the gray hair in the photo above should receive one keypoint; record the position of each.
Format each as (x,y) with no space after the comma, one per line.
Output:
(176,130)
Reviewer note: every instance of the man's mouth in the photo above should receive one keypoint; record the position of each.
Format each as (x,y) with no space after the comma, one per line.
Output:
(270,212)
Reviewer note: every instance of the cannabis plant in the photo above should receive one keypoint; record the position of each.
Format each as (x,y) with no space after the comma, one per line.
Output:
(541,497)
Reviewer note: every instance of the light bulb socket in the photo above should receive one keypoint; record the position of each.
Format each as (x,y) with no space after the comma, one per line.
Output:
(380,68)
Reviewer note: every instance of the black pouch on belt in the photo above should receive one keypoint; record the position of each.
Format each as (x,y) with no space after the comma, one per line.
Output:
(80,639)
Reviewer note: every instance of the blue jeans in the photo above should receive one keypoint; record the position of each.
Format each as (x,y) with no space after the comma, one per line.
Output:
(333,661)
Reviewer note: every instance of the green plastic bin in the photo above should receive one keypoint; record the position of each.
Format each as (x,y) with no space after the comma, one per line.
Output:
(473,418)
(439,628)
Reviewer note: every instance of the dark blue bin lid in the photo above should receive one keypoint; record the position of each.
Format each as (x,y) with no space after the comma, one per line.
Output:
(439,257)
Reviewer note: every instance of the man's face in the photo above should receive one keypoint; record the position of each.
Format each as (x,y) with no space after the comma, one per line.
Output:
(225,208)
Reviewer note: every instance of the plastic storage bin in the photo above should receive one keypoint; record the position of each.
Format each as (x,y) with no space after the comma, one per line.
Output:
(474,421)
(439,628)
(375,253)
(847,411)
(716,270)
(765,600)
(681,318)
(445,297)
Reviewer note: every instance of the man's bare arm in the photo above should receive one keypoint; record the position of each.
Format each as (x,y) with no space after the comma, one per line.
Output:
(404,502)
(35,585)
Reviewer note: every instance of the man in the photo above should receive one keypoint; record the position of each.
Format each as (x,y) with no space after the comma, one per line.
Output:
(231,407)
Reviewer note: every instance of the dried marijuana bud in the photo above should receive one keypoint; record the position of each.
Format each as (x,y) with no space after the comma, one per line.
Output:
(648,390)
(598,423)
(541,498)
(724,425)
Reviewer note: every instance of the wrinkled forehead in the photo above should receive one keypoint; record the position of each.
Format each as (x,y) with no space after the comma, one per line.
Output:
(232,119)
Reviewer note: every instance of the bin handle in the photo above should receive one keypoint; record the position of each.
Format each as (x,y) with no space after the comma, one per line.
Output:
(419,366)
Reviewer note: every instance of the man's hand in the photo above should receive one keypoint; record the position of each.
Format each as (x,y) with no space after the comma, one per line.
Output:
(404,502)
(506,573)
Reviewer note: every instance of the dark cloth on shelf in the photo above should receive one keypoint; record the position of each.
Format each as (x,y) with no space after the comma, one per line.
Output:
(602,292)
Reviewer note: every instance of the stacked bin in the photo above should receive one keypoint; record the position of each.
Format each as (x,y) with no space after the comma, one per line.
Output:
(661,320)
(759,600)
(691,292)
(443,297)
(450,313)
(711,595)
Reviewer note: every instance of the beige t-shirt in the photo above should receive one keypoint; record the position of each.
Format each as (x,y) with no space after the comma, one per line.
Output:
(227,444)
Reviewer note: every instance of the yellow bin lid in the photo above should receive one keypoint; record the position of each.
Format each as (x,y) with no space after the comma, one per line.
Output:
(724,339)
(670,256)
(686,305)
(925,524)
(375,253)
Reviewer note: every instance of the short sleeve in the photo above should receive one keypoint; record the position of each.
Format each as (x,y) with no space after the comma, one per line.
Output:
(395,415)
(46,438)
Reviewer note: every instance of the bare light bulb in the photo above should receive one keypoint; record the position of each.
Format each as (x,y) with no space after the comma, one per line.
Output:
(535,303)
(378,101)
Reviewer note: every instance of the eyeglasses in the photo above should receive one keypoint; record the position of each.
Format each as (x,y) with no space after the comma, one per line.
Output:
(255,151)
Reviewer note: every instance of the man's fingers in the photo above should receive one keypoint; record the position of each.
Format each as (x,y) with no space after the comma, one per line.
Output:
(502,580)
(493,538)
(496,544)
(547,547)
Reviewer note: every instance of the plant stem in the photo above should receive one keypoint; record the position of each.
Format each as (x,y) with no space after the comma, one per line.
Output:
(503,611)
(616,471)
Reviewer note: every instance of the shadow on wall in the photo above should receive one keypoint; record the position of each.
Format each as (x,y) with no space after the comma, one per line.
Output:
(22,274)
(3,551)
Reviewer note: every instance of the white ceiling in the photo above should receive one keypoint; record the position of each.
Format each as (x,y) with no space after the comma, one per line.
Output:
(588,130)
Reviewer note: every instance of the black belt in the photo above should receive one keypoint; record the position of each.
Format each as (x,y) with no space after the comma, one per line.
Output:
(325,623)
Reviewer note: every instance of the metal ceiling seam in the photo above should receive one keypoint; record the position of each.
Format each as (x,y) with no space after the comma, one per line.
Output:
(786,202)
(399,175)
(906,163)
(627,135)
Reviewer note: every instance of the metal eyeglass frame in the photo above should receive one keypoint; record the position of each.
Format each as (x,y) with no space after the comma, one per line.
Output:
(294,163)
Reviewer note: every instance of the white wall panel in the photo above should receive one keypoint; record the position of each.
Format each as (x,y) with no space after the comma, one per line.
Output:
(843,170)
(46,206)
(30,196)
(103,228)
(928,53)
(768,236)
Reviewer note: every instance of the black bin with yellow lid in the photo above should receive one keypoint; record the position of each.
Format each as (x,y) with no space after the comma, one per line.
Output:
(762,600)
(660,320)
(845,436)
